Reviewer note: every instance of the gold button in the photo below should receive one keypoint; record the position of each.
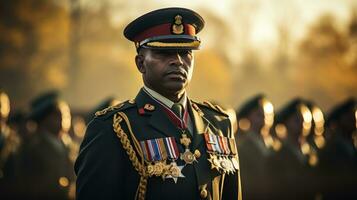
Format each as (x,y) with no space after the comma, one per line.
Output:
(197,153)
(203,193)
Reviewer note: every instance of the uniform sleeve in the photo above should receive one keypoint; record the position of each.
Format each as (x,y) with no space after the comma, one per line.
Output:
(99,166)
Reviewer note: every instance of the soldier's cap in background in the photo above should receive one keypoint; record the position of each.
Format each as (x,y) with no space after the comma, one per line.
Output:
(249,105)
(290,108)
(43,105)
(340,109)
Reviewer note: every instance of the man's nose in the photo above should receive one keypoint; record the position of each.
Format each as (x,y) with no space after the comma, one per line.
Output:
(176,59)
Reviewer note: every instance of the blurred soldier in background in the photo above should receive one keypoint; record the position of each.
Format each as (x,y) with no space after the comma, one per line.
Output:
(290,167)
(255,145)
(316,140)
(48,171)
(338,158)
(9,147)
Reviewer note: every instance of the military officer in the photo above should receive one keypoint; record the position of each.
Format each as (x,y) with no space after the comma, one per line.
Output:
(338,158)
(47,168)
(255,145)
(290,169)
(160,145)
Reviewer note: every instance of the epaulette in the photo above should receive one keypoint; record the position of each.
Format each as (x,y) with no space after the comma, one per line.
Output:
(115,108)
(209,105)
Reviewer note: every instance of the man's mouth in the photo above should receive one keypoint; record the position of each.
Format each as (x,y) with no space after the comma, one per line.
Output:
(177,74)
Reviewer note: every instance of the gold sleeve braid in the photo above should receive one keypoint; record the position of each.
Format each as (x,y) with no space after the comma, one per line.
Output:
(138,165)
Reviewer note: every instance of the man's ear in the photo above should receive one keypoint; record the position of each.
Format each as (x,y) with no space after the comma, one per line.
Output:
(139,60)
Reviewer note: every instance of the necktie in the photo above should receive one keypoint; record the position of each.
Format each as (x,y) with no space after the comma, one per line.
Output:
(177,109)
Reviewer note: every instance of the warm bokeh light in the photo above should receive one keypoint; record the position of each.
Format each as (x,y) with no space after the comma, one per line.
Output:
(66,116)
(4,105)
(307,122)
(244,124)
(63,181)
(281,131)
(319,141)
(305,148)
(268,112)
(79,126)
(319,121)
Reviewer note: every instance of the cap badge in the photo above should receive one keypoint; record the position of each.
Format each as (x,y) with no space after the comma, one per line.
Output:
(177,27)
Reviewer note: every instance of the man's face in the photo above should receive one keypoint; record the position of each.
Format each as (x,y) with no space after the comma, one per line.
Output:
(166,71)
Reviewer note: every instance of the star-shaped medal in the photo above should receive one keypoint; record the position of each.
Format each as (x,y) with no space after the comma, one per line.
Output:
(175,172)
(214,162)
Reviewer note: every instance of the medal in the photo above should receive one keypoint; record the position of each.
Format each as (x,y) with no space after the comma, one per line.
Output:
(224,165)
(175,172)
(155,155)
(214,162)
(230,168)
(223,153)
(172,170)
(150,169)
(235,163)
(159,168)
(187,156)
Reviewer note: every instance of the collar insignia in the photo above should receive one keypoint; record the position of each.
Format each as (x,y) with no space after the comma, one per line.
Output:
(149,107)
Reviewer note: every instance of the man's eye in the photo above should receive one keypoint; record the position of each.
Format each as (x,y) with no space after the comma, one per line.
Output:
(185,53)
(163,52)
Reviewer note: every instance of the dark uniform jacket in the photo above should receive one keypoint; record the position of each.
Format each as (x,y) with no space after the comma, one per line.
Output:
(46,168)
(9,162)
(254,156)
(105,171)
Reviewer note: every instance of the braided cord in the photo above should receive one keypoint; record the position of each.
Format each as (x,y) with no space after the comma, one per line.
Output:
(139,166)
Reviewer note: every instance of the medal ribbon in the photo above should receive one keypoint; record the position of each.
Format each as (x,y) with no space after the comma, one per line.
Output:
(221,145)
(162,149)
(226,145)
(171,148)
(233,146)
(153,150)
(208,142)
(215,145)
(145,150)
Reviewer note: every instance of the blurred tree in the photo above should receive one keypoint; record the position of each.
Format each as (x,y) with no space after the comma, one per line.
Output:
(33,45)
(320,60)
(351,56)
(325,43)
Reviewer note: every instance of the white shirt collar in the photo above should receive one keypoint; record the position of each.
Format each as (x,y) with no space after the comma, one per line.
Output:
(167,102)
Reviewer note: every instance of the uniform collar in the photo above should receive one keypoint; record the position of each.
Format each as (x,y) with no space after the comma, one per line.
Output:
(167,102)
